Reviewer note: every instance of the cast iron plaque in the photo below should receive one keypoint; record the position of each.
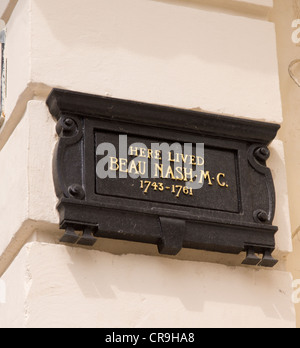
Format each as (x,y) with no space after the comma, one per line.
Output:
(171,177)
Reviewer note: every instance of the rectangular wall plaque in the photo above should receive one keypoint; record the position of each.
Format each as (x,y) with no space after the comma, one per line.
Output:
(171,177)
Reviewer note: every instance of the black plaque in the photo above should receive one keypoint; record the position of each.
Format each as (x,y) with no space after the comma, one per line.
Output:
(153,203)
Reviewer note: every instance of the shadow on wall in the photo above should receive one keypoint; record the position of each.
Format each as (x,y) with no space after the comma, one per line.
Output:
(233,7)
(179,286)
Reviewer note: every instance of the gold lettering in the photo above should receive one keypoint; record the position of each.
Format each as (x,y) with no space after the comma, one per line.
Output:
(133,151)
(178,171)
(150,153)
(184,158)
(188,173)
(222,184)
(193,160)
(123,165)
(169,173)
(142,171)
(114,164)
(170,157)
(143,152)
(157,154)
(200,161)
(132,167)
(160,168)
(205,176)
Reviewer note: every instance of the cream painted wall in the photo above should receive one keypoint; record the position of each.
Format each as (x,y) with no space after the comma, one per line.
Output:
(28,198)
(159,52)
(215,55)
(68,287)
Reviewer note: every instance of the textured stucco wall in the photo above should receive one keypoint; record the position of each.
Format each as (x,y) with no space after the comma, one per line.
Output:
(67,287)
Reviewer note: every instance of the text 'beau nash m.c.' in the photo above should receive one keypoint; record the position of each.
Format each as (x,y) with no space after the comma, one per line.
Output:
(171,177)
